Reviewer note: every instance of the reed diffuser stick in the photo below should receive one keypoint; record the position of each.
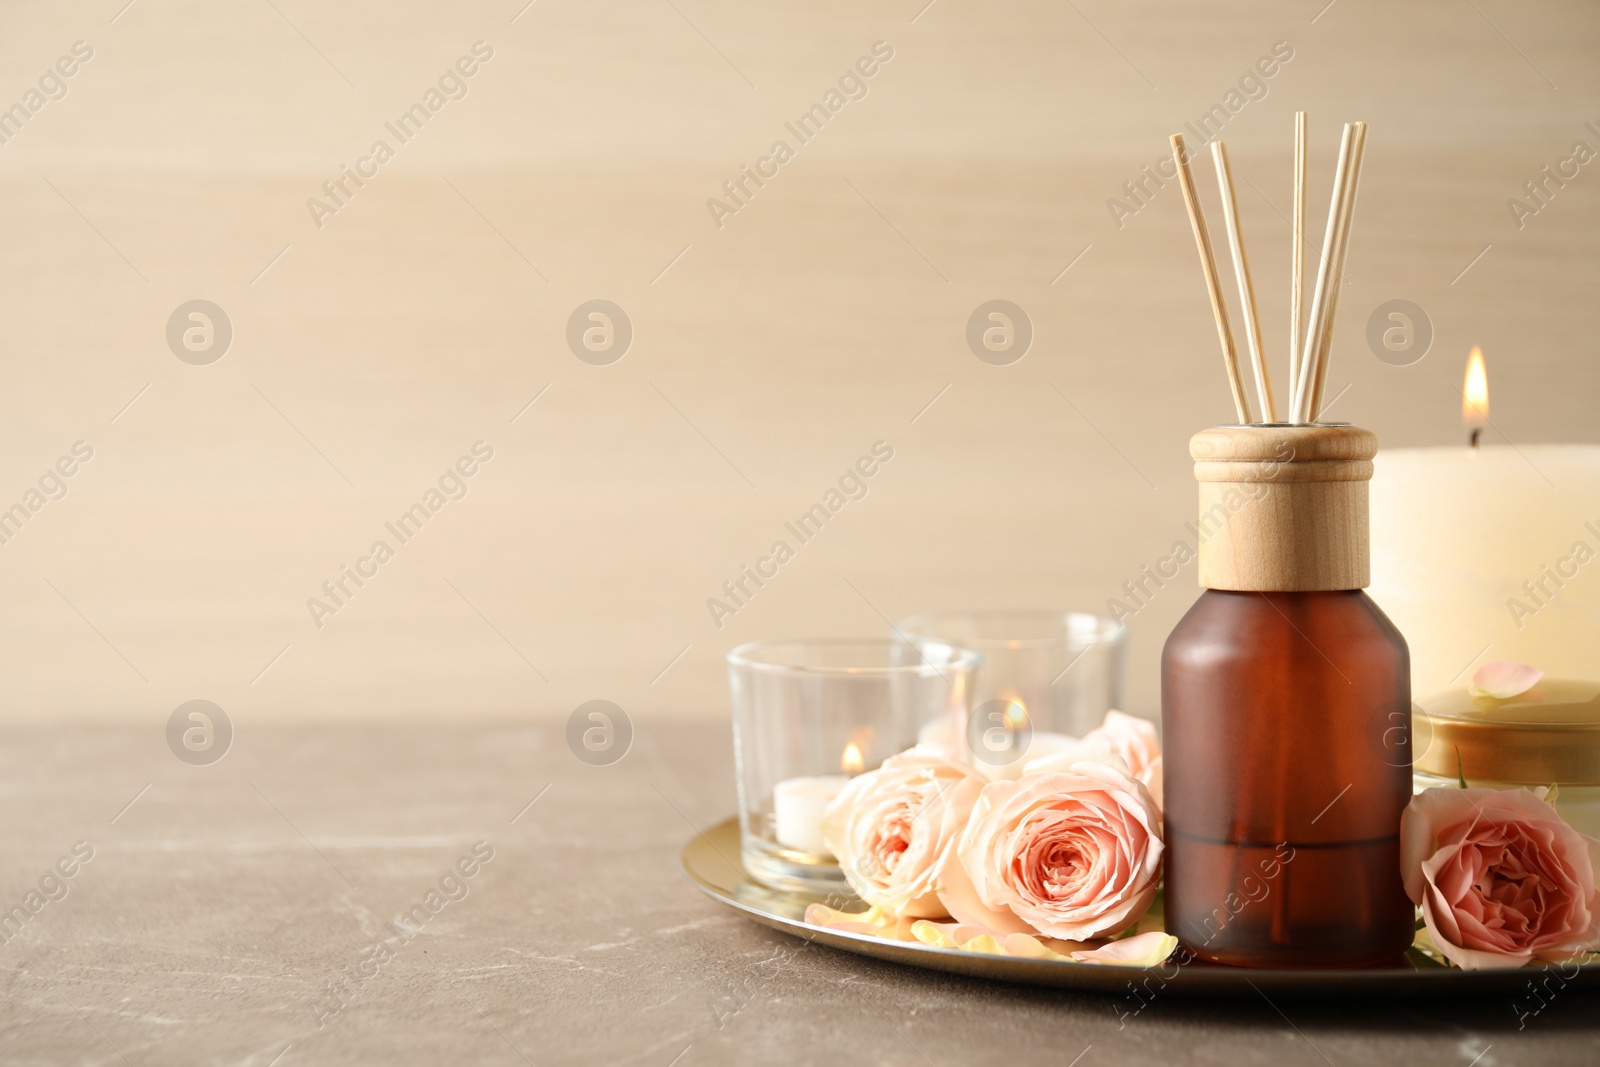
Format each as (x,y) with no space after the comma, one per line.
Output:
(1317,327)
(1208,266)
(1247,287)
(1352,185)
(1297,271)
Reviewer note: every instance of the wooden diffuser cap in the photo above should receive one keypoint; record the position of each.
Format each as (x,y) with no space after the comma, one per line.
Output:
(1283,509)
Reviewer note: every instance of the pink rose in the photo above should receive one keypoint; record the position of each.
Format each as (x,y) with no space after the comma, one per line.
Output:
(1501,879)
(892,828)
(1071,854)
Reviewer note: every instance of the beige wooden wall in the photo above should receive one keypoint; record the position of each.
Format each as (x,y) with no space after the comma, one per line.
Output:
(769,352)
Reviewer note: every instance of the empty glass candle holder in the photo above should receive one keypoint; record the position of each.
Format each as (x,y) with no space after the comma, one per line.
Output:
(808,715)
(1048,677)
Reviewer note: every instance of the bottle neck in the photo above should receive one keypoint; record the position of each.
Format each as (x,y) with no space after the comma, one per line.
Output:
(1283,509)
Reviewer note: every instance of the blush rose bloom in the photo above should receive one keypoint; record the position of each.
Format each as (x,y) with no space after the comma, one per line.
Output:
(892,828)
(1071,854)
(1501,879)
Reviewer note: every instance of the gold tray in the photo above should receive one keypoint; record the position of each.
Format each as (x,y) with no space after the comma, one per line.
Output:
(712,862)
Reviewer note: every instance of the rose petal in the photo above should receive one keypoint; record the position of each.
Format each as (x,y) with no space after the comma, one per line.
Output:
(1503,679)
(1098,750)
(945,738)
(986,944)
(1153,777)
(1132,738)
(874,921)
(976,939)
(1140,950)
(1028,947)
(1121,740)
(947,935)
(822,915)
(936,934)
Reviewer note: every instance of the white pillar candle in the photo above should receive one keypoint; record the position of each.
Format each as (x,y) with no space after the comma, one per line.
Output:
(797,807)
(1489,554)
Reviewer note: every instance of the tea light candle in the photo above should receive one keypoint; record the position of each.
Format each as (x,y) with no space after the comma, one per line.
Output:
(1489,553)
(799,803)
(797,807)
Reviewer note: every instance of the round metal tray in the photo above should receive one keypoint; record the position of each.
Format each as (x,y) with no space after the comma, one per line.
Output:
(712,861)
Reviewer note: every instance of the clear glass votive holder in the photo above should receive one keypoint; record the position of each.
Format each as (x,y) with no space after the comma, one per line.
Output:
(1048,676)
(807,716)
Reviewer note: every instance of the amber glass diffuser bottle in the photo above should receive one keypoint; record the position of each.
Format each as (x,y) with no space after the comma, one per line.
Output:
(1286,700)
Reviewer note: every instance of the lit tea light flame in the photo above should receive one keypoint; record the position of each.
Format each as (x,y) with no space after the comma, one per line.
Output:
(851,762)
(1016,713)
(1475,397)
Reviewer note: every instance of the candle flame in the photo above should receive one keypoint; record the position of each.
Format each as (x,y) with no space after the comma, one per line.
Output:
(1016,712)
(1475,392)
(851,762)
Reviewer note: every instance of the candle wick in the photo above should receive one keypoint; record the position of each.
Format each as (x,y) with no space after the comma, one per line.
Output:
(1473,438)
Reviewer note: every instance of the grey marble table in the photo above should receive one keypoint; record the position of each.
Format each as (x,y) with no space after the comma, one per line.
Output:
(274,907)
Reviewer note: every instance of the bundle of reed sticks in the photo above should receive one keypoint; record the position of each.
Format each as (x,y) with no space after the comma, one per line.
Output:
(1309,341)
